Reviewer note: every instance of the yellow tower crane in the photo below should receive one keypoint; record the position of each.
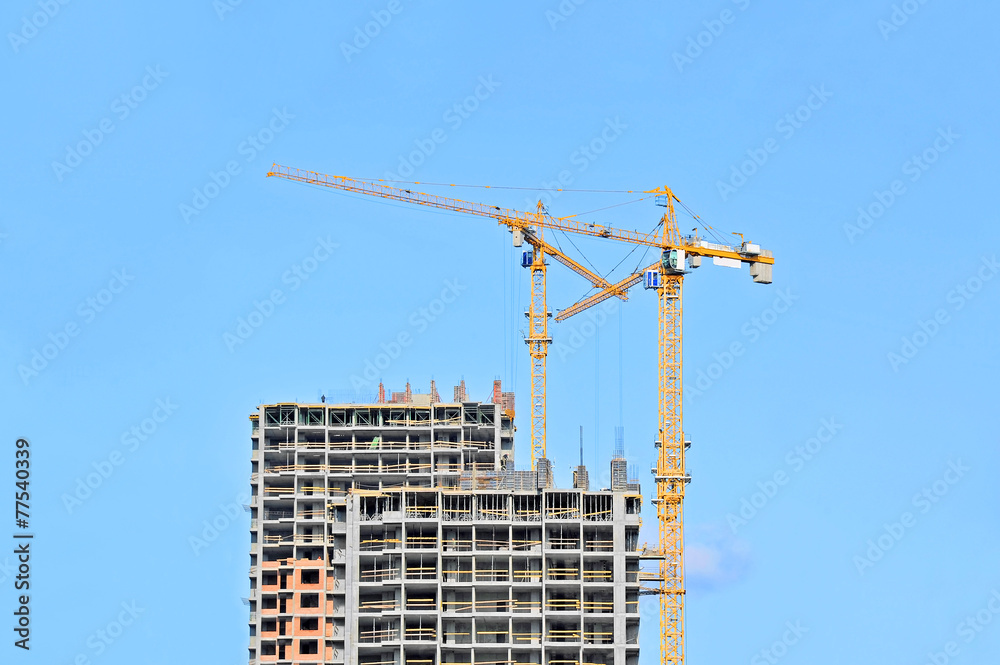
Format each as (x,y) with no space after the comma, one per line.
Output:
(665,277)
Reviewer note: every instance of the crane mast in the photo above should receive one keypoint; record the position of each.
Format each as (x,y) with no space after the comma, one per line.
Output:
(538,346)
(666,279)
(670,474)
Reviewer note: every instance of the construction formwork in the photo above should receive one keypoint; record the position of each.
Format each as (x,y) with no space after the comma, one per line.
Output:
(391,534)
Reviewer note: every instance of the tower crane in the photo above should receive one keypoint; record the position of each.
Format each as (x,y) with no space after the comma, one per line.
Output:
(665,278)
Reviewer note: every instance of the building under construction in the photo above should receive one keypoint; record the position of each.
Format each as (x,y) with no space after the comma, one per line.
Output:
(399,533)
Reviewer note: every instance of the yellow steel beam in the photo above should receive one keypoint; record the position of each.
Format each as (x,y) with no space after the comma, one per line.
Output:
(671,476)
(618,289)
(595,280)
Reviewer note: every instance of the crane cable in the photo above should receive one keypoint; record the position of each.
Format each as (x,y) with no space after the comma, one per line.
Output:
(624,258)
(708,227)
(624,203)
(531,189)
(720,239)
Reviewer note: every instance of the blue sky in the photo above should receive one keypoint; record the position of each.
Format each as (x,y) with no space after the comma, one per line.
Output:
(852,426)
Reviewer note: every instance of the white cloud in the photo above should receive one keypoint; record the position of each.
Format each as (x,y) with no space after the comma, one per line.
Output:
(714,558)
